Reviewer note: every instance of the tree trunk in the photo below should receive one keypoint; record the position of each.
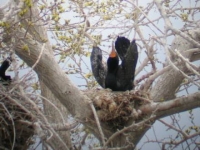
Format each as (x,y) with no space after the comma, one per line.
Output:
(58,115)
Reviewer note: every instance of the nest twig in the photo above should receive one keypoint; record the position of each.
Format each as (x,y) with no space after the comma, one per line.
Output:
(13,133)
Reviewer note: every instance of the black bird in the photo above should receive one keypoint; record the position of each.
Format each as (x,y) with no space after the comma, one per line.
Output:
(114,76)
(112,68)
(3,68)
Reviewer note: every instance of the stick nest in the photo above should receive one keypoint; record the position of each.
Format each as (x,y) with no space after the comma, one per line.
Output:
(117,108)
(13,133)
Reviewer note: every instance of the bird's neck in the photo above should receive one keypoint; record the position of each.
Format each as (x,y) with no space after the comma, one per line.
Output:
(112,64)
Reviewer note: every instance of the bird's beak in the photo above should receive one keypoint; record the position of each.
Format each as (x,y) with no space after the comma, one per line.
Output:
(113,52)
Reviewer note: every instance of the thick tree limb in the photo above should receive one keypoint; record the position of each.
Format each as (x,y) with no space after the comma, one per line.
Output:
(166,108)
(55,117)
(53,77)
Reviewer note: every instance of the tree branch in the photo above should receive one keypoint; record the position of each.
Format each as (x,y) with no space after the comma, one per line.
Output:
(162,109)
(171,80)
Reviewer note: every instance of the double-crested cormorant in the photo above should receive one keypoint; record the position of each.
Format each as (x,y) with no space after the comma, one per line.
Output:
(3,68)
(116,77)
(112,68)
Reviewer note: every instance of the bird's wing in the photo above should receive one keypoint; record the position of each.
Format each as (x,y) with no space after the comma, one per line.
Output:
(130,60)
(126,71)
(121,46)
(98,68)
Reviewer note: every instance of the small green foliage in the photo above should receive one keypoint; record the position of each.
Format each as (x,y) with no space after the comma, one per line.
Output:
(184,17)
(25,48)
(107,17)
(196,128)
(61,9)
(87,54)
(28,3)
(42,7)
(192,129)
(44,40)
(62,56)
(88,75)
(22,12)
(97,38)
(57,28)
(61,37)
(127,16)
(35,86)
(162,99)
(56,17)
(187,132)
(90,3)
(30,23)
(4,24)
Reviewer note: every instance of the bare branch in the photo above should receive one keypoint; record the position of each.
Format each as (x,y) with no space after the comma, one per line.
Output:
(167,108)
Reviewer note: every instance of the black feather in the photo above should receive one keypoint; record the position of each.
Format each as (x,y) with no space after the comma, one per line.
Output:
(126,71)
(98,69)
(121,46)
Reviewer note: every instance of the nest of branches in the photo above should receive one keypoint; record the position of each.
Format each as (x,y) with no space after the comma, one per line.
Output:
(116,108)
(14,134)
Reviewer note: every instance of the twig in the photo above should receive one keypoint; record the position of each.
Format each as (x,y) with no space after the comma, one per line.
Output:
(44,119)
(172,127)
(189,65)
(13,125)
(56,108)
(98,123)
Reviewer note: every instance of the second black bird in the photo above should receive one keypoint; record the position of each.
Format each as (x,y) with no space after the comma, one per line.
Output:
(4,66)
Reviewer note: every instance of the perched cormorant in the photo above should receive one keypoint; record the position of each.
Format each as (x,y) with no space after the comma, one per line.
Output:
(112,68)
(116,77)
(3,68)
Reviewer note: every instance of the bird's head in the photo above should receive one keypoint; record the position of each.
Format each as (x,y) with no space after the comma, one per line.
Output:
(113,53)
(113,60)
